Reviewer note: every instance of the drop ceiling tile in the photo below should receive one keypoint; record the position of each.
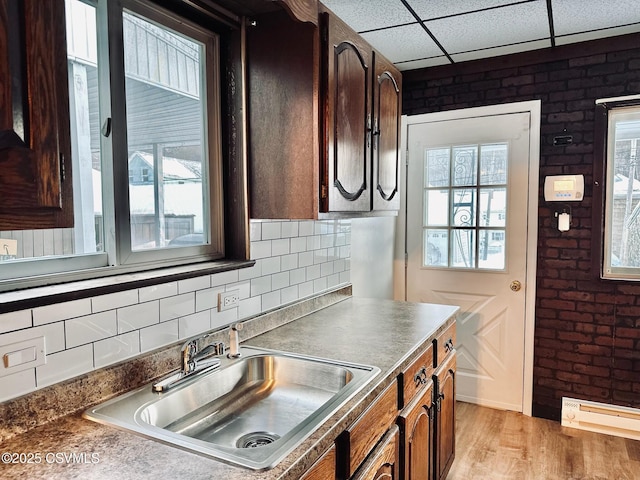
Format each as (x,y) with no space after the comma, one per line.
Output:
(497,51)
(400,44)
(492,28)
(364,15)
(427,62)
(595,34)
(429,9)
(577,16)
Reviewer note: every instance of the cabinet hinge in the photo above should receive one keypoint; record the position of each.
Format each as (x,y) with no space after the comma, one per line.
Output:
(323,191)
(62,168)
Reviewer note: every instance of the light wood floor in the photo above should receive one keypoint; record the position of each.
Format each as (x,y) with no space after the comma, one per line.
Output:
(498,445)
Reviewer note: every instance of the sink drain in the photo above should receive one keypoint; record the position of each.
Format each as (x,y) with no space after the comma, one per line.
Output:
(256,439)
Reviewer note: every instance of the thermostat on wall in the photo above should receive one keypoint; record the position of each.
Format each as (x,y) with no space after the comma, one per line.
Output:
(563,188)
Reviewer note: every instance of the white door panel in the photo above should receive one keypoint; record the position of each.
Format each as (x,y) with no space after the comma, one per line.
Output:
(467,243)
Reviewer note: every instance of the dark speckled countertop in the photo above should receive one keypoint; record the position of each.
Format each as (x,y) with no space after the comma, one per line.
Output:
(383,333)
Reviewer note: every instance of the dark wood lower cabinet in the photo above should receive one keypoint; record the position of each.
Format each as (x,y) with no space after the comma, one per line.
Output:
(382,464)
(324,468)
(444,408)
(416,430)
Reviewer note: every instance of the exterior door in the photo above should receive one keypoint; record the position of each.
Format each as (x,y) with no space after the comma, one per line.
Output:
(467,243)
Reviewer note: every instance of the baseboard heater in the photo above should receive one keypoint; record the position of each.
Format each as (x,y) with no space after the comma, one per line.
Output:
(601,417)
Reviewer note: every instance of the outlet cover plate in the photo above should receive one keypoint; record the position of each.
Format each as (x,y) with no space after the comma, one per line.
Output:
(228,300)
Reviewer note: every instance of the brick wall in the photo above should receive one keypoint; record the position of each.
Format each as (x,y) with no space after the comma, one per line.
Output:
(587,336)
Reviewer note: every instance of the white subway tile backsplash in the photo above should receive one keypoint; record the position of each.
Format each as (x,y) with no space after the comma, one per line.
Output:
(91,328)
(17,384)
(207,299)
(280,280)
(305,259)
(178,306)
(298,244)
(313,272)
(271,230)
(15,321)
(280,247)
(222,278)
(193,284)
(135,317)
(270,265)
(255,231)
(290,229)
(219,319)
(115,349)
(294,260)
(194,324)
(271,300)
(299,275)
(66,364)
(251,272)
(289,294)
(61,311)
(319,284)
(305,289)
(114,300)
(249,307)
(156,292)
(289,262)
(159,335)
(306,228)
(260,249)
(260,285)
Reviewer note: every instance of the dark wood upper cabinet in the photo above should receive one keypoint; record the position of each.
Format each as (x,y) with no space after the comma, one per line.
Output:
(35,152)
(387,103)
(348,121)
(324,111)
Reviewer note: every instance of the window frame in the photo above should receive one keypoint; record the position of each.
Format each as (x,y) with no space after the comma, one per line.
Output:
(229,227)
(601,216)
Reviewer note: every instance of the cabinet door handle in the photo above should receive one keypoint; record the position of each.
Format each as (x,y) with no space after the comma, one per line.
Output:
(449,345)
(421,377)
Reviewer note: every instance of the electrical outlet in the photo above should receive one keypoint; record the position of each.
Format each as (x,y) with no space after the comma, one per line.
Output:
(228,300)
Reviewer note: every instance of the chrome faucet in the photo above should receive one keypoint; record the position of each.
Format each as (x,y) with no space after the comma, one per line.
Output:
(198,355)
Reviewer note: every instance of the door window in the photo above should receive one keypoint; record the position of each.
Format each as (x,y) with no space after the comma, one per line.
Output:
(465,206)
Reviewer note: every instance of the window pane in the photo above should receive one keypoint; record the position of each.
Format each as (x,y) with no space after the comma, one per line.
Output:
(86,236)
(493,207)
(493,164)
(437,167)
(436,247)
(464,207)
(463,248)
(465,165)
(436,208)
(491,252)
(165,134)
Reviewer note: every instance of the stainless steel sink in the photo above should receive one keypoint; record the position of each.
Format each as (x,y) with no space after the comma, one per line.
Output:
(251,412)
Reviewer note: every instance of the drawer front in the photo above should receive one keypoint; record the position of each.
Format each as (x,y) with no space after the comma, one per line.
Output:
(444,344)
(360,438)
(416,375)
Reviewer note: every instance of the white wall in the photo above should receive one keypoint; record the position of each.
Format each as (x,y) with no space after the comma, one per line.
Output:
(294,259)
(372,250)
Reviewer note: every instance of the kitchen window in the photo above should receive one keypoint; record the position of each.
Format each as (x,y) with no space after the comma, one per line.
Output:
(147,153)
(617,208)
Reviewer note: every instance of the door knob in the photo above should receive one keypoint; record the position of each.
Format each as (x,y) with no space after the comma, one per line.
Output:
(515,286)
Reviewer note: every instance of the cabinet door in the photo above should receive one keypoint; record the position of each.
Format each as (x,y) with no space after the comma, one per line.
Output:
(35,150)
(445,424)
(382,464)
(387,106)
(348,120)
(416,431)
(324,468)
